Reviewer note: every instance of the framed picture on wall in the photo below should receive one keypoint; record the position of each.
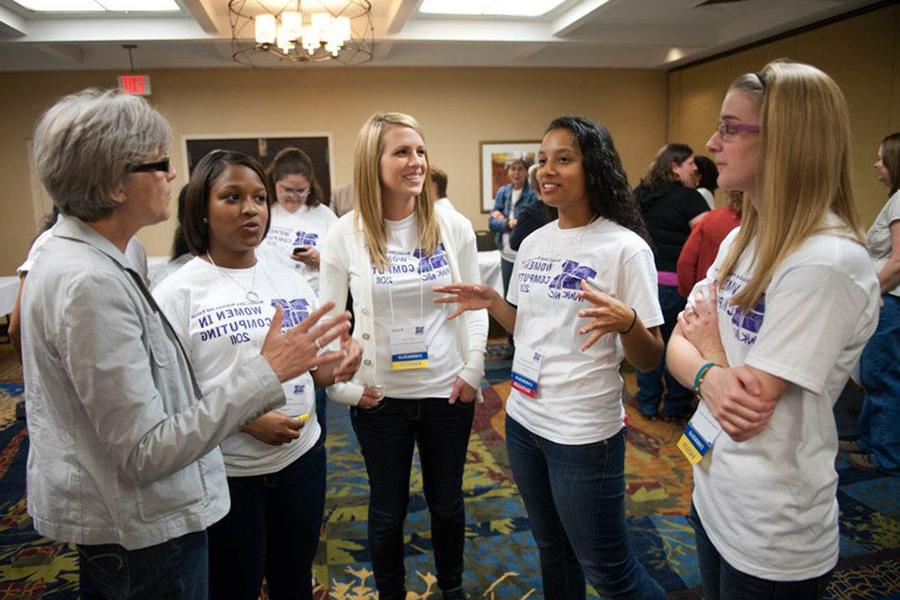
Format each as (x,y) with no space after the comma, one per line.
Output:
(494,156)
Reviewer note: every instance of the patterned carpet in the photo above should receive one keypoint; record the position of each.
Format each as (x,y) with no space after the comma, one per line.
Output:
(501,559)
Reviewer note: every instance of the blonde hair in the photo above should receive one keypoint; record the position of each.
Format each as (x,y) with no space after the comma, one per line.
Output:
(367,180)
(805,149)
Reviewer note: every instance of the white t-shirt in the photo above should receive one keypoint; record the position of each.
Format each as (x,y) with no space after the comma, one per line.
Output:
(878,238)
(708,196)
(219,328)
(579,394)
(407,285)
(768,504)
(304,227)
(506,251)
(134,252)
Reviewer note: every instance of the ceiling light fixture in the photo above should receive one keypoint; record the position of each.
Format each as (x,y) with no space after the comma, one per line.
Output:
(267,33)
(506,8)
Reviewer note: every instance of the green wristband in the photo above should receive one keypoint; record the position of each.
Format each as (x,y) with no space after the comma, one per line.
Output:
(701,373)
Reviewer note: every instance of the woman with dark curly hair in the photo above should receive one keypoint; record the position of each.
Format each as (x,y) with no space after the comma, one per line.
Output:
(565,429)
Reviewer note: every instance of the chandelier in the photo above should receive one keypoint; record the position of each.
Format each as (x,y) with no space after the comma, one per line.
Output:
(267,33)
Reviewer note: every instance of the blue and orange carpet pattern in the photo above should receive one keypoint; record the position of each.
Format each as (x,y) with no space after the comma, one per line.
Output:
(501,558)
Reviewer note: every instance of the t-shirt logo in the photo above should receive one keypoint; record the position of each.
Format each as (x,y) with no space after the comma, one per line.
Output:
(571,276)
(435,261)
(294,310)
(306,239)
(744,325)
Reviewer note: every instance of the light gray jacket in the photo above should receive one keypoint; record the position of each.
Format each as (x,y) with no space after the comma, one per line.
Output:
(124,449)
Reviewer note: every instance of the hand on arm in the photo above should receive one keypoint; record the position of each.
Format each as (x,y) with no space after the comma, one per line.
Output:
(700,325)
(471,296)
(643,347)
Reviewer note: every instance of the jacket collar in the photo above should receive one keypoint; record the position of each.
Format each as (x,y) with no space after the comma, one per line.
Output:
(74,228)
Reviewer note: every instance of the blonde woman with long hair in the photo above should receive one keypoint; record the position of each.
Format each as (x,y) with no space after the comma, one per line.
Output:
(420,372)
(796,298)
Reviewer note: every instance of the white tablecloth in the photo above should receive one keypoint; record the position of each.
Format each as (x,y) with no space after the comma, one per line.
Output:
(9,286)
(489,265)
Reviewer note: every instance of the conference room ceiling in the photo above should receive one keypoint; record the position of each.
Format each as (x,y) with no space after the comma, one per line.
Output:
(655,34)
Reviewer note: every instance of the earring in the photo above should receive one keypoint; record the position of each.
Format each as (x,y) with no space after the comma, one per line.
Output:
(205,220)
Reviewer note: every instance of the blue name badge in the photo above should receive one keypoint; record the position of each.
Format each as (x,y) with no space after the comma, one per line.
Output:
(408,348)
(526,369)
(699,435)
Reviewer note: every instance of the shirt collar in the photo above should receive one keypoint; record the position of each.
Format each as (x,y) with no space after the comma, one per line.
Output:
(74,228)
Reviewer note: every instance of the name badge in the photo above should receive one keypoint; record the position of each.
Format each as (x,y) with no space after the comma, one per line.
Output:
(699,435)
(408,349)
(526,369)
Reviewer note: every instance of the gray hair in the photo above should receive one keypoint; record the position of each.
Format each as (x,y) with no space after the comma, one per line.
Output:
(84,144)
(516,158)
(532,178)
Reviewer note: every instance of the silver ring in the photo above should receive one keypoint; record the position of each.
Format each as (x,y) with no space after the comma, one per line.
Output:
(318,345)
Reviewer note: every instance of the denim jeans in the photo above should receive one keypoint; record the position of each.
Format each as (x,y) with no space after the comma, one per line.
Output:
(721,581)
(388,434)
(575,498)
(272,529)
(650,384)
(173,569)
(879,421)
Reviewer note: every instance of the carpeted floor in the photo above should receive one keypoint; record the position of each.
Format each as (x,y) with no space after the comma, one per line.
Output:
(501,559)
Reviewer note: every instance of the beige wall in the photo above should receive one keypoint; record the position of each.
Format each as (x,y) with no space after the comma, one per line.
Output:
(862,54)
(457,108)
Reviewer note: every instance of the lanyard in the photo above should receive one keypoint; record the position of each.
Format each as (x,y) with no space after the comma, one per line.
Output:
(421,283)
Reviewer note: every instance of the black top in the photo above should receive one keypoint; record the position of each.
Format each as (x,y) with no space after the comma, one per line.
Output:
(668,211)
(532,218)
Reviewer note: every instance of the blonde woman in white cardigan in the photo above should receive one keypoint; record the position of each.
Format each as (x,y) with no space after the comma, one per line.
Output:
(420,373)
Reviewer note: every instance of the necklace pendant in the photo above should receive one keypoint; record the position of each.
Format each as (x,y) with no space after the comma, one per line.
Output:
(252,297)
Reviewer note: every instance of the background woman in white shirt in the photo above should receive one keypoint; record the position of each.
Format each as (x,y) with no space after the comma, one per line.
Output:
(299,221)
(878,446)
(565,429)
(796,298)
(220,305)
(388,254)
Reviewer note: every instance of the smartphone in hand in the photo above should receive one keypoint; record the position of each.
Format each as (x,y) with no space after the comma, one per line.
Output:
(301,249)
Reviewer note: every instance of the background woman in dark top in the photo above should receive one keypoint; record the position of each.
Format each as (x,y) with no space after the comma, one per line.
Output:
(534,216)
(670,207)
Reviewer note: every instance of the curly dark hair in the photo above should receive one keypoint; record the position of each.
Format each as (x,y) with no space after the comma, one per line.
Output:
(605,180)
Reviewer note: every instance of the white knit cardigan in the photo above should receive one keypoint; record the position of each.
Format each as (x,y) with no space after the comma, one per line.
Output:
(345,265)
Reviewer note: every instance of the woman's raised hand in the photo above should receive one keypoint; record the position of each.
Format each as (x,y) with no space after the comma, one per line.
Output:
(609,315)
(468,296)
(296,350)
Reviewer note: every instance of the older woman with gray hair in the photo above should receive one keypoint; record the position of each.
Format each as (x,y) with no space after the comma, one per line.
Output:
(124,459)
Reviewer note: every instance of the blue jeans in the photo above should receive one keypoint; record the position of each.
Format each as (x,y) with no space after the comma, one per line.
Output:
(173,569)
(575,498)
(721,581)
(879,421)
(650,384)
(387,435)
(272,529)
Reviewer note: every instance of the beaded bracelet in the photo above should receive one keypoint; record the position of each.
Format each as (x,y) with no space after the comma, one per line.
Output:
(633,321)
(701,375)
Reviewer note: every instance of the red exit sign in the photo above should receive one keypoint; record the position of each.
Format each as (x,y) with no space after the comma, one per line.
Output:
(137,85)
